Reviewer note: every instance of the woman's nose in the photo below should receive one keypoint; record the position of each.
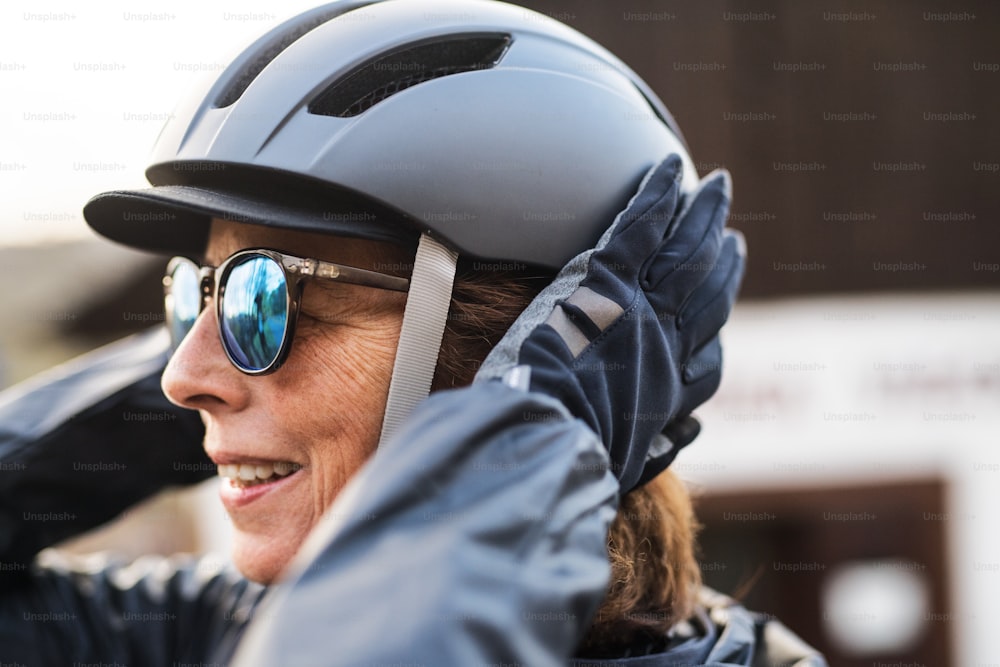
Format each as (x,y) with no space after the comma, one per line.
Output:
(200,376)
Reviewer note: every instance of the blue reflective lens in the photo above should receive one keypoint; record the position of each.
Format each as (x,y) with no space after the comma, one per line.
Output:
(254,312)
(183,301)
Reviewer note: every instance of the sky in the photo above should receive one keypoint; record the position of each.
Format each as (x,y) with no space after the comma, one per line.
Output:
(85,89)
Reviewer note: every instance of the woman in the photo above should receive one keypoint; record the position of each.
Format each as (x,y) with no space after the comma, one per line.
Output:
(374,193)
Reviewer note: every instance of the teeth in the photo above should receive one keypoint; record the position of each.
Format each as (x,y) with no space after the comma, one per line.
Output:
(246,474)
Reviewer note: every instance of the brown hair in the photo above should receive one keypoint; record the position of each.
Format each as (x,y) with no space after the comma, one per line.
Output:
(654,574)
(651,544)
(484,303)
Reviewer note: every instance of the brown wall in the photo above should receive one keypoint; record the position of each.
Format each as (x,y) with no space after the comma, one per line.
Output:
(776,550)
(933,223)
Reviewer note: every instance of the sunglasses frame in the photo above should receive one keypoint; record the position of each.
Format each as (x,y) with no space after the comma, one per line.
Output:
(213,281)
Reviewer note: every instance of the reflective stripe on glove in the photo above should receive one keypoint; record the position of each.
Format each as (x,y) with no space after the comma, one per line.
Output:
(627,334)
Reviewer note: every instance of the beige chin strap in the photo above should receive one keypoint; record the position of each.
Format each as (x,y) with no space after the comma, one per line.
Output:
(420,336)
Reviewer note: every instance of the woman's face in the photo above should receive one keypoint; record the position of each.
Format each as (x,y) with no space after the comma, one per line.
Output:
(322,410)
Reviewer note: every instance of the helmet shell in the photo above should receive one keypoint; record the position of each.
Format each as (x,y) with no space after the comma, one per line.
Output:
(525,155)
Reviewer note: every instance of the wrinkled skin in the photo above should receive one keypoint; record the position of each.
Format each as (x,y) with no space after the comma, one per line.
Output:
(322,409)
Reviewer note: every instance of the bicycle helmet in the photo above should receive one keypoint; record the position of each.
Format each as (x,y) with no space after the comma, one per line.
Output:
(453,126)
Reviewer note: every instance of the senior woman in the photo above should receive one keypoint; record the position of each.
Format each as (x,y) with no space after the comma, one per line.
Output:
(362,205)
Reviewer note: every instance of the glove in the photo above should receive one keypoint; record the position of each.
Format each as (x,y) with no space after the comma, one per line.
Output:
(627,334)
(87,440)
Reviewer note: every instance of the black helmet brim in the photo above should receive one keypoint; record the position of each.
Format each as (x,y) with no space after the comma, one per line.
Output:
(175,218)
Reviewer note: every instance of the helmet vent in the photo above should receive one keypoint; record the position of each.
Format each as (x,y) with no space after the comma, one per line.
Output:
(381,78)
(268,52)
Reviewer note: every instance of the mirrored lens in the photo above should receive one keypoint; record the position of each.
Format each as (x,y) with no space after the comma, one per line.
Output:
(254,312)
(183,300)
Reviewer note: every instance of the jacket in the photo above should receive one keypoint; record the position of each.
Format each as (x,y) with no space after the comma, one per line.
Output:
(461,542)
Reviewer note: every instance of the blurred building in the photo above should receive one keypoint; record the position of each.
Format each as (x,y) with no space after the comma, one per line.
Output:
(848,470)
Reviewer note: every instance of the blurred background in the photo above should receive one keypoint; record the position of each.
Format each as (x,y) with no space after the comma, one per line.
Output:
(848,474)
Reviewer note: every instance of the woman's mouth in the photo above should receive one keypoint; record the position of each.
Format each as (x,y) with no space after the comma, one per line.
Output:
(245,475)
(244,483)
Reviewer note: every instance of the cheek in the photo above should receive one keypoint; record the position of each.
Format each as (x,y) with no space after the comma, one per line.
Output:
(359,360)
(355,358)
(353,367)
(338,379)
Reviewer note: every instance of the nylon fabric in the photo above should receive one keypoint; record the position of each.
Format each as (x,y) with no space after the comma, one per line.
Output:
(481,525)
(567,329)
(504,356)
(103,407)
(601,310)
(649,300)
(424,321)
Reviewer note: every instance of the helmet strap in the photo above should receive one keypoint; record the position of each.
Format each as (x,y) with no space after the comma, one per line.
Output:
(420,336)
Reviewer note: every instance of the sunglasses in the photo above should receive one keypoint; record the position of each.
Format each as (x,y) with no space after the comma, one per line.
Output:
(258,293)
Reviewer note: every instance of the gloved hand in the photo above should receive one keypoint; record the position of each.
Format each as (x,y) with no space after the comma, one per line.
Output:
(627,334)
(87,440)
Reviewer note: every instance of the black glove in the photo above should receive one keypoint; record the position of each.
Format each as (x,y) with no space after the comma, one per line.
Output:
(627,334)
(85,441)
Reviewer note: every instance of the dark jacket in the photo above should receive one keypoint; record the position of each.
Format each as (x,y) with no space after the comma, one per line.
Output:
(504,563)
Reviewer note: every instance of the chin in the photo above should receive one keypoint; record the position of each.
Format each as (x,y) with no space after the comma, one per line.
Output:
(263,559)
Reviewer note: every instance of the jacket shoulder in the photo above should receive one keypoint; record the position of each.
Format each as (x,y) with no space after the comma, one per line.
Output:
(780,647)
(773,644)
